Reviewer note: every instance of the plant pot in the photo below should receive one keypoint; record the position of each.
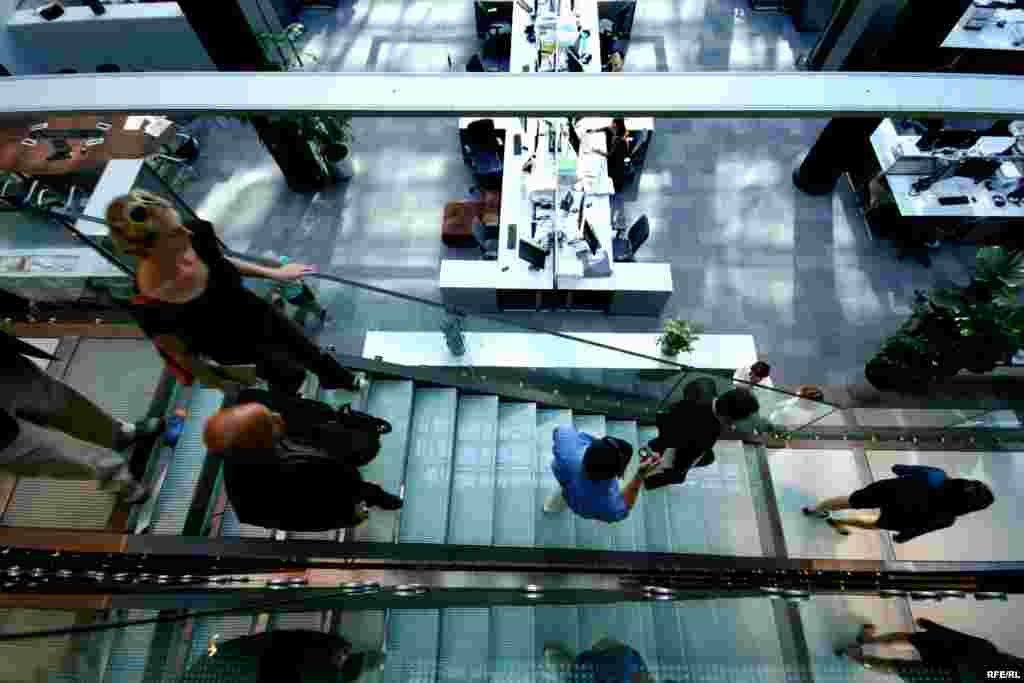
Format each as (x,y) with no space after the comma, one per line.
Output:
(667,350)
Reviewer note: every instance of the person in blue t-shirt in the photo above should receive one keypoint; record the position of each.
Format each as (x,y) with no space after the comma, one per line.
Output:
(608,661)
(918,500)
(588,470)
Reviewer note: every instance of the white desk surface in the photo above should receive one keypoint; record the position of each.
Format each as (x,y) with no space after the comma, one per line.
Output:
(524,53)
(885,138)
(537,350)
(118,178)
(73,263)
(625,277)
(991,36)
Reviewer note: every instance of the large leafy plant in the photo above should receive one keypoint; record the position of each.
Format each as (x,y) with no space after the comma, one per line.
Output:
(955,328)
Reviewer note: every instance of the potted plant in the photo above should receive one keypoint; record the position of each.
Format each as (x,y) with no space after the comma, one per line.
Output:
(452,328)
(678,336)
(974,327)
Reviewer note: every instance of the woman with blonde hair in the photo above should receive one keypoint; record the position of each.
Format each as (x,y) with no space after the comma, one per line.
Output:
(191,302)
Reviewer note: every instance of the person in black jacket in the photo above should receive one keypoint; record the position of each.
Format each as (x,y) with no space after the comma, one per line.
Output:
(693,425)
(283,656)
(48,429)
(920,499)
(290,479)
(191,302)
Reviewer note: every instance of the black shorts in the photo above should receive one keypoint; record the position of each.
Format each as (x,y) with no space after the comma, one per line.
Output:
(885,496)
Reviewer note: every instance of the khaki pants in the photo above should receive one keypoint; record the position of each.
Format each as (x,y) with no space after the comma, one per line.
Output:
(62,434)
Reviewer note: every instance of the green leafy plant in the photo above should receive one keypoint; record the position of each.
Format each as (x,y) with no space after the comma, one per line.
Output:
(953,328)
(678,336)
(280,49)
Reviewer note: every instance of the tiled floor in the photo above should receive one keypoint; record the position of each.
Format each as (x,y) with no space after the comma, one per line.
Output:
(750,253)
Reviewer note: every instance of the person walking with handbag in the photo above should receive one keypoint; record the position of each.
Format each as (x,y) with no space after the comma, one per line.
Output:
(191,302)
(918,500)
(296,473)
(588,470)
(48,429)
(946,654)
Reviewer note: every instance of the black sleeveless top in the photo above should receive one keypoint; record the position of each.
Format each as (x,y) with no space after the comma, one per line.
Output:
(223,321)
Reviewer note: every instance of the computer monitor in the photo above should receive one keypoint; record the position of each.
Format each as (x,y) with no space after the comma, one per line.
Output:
(959,138)
(532,254)
(591,238)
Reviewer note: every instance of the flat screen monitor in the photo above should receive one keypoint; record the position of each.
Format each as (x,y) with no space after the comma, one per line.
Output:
(954,137)
(532,254)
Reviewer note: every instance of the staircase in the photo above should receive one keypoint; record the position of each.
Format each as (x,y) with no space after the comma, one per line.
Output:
(475,470)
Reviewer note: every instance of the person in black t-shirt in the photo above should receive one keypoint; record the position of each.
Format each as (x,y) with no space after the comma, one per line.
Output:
(278,479)
(191,302)
(692,426)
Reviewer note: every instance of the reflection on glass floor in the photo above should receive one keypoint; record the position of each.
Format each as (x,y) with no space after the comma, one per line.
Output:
(760,640)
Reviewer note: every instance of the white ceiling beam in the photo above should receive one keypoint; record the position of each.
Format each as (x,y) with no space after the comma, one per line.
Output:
(687,95)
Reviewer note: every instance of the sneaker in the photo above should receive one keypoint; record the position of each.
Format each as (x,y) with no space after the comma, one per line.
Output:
(130,433)
(811,512)
(555,503)
(96,6)
(137,493)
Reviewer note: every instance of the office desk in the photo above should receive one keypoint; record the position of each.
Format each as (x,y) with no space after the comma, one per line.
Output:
(926,204)
(990,36)
(524,53)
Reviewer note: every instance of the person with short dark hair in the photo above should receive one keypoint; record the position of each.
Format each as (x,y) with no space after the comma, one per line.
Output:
(588,470)
(692,427)
(755,374)
(918,500)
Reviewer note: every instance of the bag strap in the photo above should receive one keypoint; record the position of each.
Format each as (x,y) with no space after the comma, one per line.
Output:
(381,425)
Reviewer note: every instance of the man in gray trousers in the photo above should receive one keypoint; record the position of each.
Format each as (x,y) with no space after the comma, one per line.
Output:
(48,429)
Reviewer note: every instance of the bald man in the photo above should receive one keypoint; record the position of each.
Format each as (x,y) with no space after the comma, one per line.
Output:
(277,481)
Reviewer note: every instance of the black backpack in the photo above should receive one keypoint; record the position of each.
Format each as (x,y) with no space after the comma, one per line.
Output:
(345,434)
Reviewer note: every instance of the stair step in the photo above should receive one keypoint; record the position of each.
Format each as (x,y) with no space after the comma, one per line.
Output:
(630,533)
(392,401)
(556,625)
(189,455)
(655,506)
(424,517)
(471,521)
(516,468)
(231,527)
(670,646)
(592,534)
(412,646)
(131,648)
(306,621)
(364,629)
(514,654)
(465,645)
(554,530)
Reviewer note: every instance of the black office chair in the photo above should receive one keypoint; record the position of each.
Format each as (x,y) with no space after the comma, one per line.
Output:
(625,249)
(482,149)
(486,237)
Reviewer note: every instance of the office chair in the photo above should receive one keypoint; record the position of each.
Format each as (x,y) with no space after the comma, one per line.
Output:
(482,149)
(475,65)
(486,237)
(625,249)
